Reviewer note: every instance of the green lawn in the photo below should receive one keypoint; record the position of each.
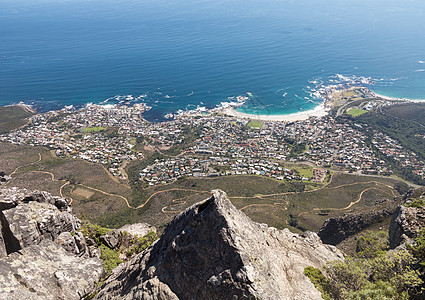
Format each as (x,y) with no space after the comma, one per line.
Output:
(255,124)
(94,129)
(356,112)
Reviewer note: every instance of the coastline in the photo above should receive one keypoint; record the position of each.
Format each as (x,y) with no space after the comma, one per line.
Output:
(396,99)
(25,107)
(319,111)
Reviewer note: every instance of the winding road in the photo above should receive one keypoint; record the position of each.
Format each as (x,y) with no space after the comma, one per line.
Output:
(279,203)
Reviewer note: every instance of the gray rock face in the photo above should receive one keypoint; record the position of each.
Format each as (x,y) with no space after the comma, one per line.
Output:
(47,271)
(140,229)
(34,221)
(42,253)
(405,225)
(111,239)
(335,230)
(214,251)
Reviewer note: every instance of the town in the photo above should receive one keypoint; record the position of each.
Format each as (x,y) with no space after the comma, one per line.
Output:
(211,145)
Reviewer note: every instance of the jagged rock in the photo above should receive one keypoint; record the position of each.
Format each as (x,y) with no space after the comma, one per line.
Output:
(47,271)
(140,229)
(42,253)
(34,221)
(92,248)
(335,230)
(405,225)
(67,241)
(214,251)
(45,197)
(111,239)
(4,178)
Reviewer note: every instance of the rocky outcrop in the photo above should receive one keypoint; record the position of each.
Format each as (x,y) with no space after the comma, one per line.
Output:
(117,237)
(47,271)
(335,230)
(140,229)
(405,225)
(3,178)
(42,253)
(214,251)
(408,219)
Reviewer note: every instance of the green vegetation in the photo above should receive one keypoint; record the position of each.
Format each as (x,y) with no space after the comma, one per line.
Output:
(110,258)
(418,250)
(372,244)
(319,280)
(94,129)
(303,170)
(355,112)
(297,149)
(417,203)
(93,231)
(373,273)
(128,244)
(409,134)
(404,123)
(141,243)
(255,124)
(13,117)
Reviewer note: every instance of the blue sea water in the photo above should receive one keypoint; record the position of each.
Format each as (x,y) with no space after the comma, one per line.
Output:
(186,53)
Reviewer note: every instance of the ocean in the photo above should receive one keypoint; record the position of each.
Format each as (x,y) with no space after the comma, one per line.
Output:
(183,54)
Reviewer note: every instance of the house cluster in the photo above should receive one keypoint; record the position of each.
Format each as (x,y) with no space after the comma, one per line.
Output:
(164,171)
(95,133)
(391,148)
(333,144)
(212,145)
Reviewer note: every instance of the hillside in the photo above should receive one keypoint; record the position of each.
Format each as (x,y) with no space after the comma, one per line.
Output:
(13,117)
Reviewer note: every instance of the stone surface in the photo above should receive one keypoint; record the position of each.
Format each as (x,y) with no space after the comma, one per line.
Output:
(405,225)
(42,253)
(34,221)
(214,251)
(111,239)
(4,178)
(47,271)
(140,229)
(335,230)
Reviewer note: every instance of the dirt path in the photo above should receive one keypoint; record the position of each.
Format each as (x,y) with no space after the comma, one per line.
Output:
(169,190)
(281,203)
(354,202)
(30,164)
(180,201)
(113,177)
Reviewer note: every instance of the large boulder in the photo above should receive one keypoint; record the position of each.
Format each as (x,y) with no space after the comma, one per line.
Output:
(47,271)
(214,251)
(34,221)
(405,225)
(337,229)
(140,229)
(42,253)
(408,219)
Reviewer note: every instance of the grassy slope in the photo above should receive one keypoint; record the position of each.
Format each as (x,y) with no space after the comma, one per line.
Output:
(12,117)
(263,199)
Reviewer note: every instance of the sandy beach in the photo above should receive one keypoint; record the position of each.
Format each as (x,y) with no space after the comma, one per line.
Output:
(319,111)
(397,99)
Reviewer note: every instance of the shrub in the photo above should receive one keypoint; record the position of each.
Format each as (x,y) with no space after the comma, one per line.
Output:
(371,244)
(138,244)
(110,258)
(319,280)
